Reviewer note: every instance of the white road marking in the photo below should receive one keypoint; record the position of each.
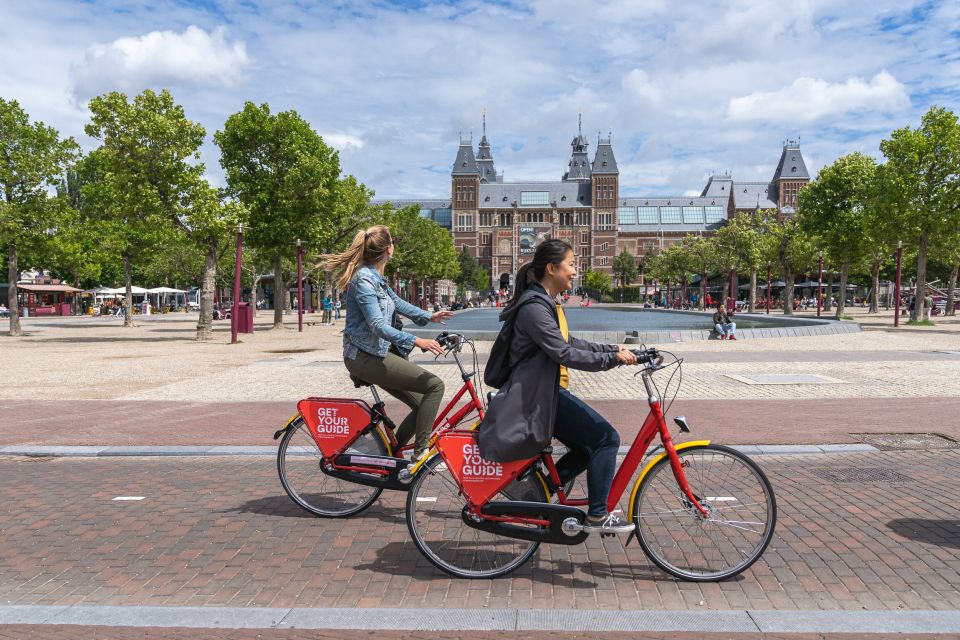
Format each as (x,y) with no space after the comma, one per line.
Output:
(424,499)
(129,498)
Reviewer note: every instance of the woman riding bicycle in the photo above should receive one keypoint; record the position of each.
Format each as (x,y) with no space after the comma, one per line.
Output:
(536,400)
(369,334)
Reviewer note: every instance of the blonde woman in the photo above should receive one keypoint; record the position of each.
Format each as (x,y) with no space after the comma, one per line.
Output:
(369,334)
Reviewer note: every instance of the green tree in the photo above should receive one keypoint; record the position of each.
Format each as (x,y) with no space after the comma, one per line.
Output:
(147,174)
(33,159)
(597,280)
(923,169)
(209,224)
(351,211)
(286,176)
(77,253)
(836,208)
(795,253)
(468,269)
(701,256)
(747,240)
(625,269)
(423,249)
(670,265)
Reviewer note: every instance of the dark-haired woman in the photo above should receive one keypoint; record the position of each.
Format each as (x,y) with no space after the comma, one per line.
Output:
(369,333)
(535,402)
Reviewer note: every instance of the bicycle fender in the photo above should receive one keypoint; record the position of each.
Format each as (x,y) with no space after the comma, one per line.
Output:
(656,459)
(279,432)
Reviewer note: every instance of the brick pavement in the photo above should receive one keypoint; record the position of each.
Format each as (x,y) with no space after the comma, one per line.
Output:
(220,532)
(793,421)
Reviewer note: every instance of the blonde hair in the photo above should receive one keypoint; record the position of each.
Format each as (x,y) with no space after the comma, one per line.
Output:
(368,247)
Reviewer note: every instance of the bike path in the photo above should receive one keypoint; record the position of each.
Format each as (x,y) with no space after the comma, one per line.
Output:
(857,533)
(751,422)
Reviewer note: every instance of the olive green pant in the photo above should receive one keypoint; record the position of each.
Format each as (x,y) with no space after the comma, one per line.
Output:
(409,383)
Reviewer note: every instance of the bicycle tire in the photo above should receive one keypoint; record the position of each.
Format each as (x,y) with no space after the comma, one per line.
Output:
(434,507)
(679,540)
(299,464)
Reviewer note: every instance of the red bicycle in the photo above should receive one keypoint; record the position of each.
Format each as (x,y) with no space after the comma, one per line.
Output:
(337,455)
(700,511)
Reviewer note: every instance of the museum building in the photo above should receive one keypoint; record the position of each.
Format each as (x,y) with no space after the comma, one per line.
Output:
(501,222)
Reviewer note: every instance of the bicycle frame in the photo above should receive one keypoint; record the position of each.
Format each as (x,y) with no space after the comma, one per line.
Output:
(444,423)
(653,425)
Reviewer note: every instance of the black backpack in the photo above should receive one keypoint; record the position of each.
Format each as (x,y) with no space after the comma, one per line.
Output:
(498,368)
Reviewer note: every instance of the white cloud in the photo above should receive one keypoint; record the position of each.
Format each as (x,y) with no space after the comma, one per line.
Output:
(391,84)
(342,140)
(638,84)
(809,99)
(194,58)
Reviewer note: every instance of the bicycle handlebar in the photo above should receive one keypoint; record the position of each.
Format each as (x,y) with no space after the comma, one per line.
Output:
(450,340)
(649,356)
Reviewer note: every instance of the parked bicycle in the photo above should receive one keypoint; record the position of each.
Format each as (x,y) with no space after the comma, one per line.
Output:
(700,511)
(337,455)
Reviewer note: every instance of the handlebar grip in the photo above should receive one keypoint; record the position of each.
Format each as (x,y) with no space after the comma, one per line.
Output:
(646,356)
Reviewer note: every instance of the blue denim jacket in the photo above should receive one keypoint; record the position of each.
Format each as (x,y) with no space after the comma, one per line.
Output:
(370,305)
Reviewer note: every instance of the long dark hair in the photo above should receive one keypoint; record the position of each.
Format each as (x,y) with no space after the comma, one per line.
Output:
(552,251)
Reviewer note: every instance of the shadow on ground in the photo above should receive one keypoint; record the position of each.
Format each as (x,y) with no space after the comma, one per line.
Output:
(943,533)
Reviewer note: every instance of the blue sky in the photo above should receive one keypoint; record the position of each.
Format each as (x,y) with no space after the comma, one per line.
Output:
(685,88)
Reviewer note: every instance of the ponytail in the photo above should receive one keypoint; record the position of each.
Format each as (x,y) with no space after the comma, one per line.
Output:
(553,251)
(368,246)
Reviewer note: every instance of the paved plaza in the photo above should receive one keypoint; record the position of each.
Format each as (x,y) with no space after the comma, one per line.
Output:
(867,540)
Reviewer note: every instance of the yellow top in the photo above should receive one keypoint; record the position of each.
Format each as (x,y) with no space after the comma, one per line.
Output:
(562,319)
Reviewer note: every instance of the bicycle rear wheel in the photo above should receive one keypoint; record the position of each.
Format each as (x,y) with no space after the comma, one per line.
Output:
(741,506)
(434,507)
(299,464)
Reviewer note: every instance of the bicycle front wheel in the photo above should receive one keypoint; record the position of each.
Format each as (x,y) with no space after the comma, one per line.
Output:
(741,508)
(299,463)
(434,508)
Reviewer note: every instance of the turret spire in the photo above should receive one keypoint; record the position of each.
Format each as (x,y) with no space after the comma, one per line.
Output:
(488,172)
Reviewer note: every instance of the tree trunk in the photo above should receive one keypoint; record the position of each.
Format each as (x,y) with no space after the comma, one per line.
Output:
(279,294)
(13,274)
(875,284)
(842,298)
(752,305)
(207,283)
(788,282)
(951,291)
(128,297)
(828,301)
(921,289)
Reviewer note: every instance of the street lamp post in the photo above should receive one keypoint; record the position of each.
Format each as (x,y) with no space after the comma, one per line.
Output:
(299,286)
(235,311)
(733,292)
(769,270)
(896,290)
(819,283)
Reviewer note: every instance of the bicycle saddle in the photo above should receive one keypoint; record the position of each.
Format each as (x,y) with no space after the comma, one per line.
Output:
(357,382)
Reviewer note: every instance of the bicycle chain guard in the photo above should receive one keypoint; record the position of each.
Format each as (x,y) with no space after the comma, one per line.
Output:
(334,422)
(480,479)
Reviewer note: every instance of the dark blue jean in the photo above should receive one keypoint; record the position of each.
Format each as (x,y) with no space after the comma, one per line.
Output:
(593,444)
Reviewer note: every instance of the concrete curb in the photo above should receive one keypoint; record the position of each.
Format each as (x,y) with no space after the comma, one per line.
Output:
(734,621)
(82,451)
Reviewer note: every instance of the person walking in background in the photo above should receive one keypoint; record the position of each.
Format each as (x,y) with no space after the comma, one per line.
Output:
(328,310)
(723,323)
(336,309)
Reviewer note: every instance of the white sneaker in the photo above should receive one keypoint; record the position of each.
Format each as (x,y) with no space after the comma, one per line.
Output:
(608,524)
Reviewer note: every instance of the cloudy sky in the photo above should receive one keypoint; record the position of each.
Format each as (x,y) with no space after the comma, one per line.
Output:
(685,88)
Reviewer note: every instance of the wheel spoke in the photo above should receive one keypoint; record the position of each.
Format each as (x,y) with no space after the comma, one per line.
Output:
(741,509)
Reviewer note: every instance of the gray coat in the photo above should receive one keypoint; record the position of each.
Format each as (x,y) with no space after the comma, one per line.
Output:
(520,420)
